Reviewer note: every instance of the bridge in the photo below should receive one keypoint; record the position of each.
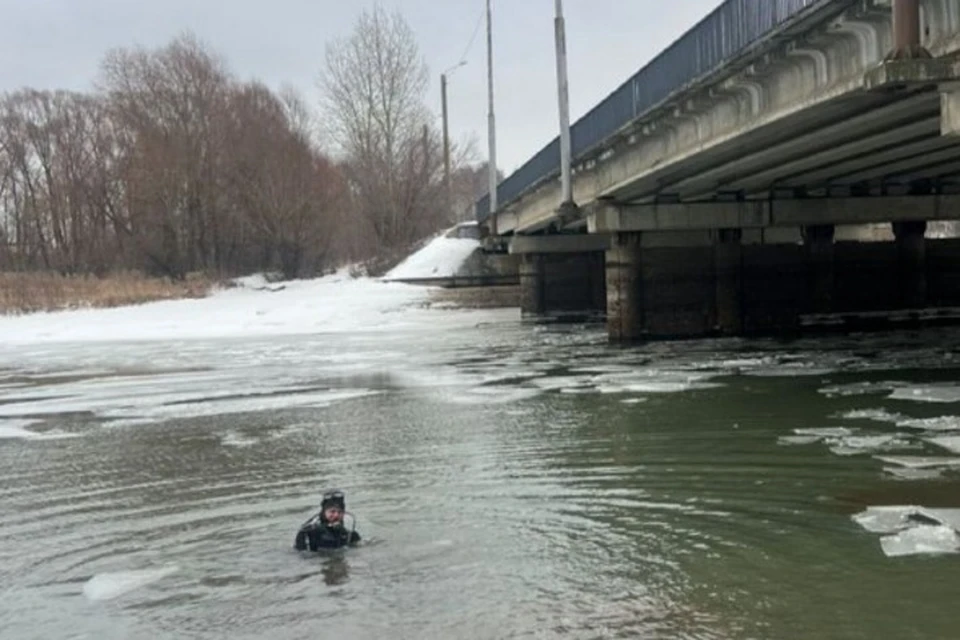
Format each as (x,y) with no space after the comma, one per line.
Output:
(784,162)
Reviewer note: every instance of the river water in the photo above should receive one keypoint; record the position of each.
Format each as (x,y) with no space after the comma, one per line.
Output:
(510,480)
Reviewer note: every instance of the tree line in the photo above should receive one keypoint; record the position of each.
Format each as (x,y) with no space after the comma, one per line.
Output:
(172,165)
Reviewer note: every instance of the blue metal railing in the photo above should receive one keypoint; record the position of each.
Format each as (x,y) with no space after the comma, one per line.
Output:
(727,31)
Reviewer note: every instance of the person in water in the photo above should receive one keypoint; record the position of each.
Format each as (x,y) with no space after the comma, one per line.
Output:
(326,529)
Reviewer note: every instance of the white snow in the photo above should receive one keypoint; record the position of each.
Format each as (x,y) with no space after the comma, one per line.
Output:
(442,257)
(326,305)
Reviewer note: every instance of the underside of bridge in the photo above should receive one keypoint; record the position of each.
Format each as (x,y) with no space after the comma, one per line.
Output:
(803,181)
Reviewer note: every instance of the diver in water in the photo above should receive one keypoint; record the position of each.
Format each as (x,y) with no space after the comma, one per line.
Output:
(326,529)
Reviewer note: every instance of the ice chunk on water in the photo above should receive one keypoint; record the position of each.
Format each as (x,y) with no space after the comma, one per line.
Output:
(877,415)
(913,530)
(106,586)
(923,539)
(824,432)
(928,393)
(17,430)
(950,443)
(811,435)
(921,462)
(854,445)
(798,440)
(861,388)
(237,439)
(942,423)
(913,473)
(789,371)
(885,519)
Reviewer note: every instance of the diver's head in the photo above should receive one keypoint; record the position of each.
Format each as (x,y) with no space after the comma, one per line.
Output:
(332,507)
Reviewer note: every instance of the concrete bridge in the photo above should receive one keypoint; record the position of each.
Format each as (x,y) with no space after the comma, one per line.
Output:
(783,162)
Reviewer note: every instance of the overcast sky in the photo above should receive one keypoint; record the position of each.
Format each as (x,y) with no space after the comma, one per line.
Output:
(52,44)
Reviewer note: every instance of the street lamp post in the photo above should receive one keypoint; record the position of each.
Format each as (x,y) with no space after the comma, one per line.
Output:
(564,106)
(448,186)
(491,125)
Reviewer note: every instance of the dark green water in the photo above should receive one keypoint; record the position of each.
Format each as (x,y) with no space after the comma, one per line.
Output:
(510,481)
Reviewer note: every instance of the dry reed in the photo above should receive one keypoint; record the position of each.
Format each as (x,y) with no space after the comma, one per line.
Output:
(32,292)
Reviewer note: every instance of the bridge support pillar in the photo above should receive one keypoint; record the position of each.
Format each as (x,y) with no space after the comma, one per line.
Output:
(728,268)
(911,262)
(624,294)
(818,242)
(532,285)
(561,275)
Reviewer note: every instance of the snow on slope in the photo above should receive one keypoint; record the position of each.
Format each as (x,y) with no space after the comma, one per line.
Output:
(442,257)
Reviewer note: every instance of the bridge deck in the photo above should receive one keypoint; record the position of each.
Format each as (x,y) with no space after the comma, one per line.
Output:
(732,31)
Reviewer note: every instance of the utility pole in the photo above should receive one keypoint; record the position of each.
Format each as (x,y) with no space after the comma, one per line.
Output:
(491,125)
(564,105)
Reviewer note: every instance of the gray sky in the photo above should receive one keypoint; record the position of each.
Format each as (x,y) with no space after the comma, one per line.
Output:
(52,44)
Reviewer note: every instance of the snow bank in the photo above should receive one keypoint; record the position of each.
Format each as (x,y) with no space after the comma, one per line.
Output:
(335,303)
(442,257)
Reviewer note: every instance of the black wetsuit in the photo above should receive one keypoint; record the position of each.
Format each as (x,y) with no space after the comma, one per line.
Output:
(316,535)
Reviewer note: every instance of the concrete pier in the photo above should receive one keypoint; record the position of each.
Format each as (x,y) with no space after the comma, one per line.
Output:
(561,275)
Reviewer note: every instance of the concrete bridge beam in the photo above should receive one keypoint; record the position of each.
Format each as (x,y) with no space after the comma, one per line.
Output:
(608,218)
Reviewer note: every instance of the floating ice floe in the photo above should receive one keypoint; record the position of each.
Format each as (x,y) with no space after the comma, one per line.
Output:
(918,467)
(921,462)
(843,441)
(913,530)
(107,586)
(950,443)
(877,415)
(943,393)
(862,388)
(856,445)
(17,430)
(941,423)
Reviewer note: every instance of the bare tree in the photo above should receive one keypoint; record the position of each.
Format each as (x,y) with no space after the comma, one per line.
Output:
(374,87)
(173,166)
(168,101)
